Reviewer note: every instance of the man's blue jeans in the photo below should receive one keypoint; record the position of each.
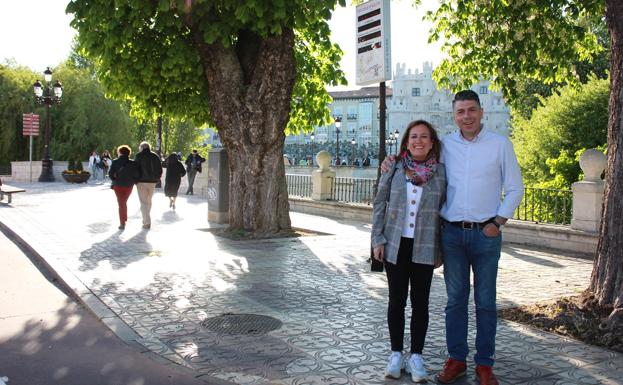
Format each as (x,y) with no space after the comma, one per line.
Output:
(462,249)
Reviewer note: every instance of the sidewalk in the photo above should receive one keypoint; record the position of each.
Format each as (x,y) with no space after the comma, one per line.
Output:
(46,337)
(283,311)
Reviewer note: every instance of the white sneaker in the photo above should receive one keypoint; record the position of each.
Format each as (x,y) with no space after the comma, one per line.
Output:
(415,366)
(394,365)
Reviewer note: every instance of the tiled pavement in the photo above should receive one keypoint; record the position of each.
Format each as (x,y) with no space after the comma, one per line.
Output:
(162,290)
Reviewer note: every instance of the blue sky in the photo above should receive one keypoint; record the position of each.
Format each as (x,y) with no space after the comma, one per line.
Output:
(36,33)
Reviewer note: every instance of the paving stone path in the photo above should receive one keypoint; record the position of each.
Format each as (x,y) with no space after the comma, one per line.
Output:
(281,311)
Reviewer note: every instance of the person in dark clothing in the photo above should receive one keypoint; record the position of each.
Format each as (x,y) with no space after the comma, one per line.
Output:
(193,166)
(150,168)
(123,174)
(173,178)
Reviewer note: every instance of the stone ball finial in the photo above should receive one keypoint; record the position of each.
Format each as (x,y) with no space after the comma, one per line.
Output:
(593,163)
(323,159)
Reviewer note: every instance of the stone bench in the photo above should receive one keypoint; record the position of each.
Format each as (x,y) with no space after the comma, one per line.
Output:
(7,190)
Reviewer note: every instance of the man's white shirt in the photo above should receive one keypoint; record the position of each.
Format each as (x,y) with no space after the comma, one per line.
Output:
(478,171)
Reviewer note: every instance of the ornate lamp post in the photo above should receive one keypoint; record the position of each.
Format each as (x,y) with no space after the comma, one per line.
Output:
(353,142)
(311,142)
(396,135)
(338,123)
(43,95)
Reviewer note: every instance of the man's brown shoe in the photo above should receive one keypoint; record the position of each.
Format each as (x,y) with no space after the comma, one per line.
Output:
(452,370)
(485,375)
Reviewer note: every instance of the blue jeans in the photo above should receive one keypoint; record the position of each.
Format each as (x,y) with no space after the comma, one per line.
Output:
(463,249)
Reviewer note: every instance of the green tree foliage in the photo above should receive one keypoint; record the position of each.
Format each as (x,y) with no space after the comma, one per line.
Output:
(146,52)
(507,41)
(17,98)
(550,142)
(529,92)
(84,120)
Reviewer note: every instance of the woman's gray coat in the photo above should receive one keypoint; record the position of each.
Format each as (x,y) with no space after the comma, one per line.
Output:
(387,228)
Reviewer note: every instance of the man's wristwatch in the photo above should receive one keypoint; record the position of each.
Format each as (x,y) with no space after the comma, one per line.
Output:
(498,225)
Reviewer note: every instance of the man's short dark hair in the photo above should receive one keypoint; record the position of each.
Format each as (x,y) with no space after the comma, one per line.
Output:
(466,95)
(194,151)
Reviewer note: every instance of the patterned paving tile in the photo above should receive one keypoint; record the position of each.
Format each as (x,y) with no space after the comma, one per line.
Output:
(165,282)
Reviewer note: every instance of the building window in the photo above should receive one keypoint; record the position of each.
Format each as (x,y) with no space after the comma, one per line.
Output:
(337,112)
(415,91)
(483,90)
(352,113)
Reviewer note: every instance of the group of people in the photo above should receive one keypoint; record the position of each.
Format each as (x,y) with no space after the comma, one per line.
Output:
(145,172)
(100,164)
(438,202)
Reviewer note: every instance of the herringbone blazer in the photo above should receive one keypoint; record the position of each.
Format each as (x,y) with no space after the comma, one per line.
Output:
(388,215)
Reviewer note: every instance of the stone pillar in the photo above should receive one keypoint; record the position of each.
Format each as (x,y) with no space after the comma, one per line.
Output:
(588,193)
(322,179)
(218,186)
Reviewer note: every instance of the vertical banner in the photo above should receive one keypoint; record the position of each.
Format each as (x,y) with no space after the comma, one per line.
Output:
(373,34)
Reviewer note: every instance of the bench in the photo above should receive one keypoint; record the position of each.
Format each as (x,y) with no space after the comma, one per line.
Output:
(9,191)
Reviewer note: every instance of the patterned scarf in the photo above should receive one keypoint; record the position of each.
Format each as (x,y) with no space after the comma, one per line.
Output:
(417,172)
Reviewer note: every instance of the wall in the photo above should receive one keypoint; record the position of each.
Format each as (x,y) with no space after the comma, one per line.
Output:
(555,237)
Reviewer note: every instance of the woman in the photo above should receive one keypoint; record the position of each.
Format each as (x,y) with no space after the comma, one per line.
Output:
(94,161)
(405,235)
(124,174)
(106,161)
(173,178)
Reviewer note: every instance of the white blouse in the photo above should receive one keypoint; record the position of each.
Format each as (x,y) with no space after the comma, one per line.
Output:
(414,194)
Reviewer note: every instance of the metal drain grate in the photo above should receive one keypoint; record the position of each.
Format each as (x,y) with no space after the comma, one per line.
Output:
(241,324)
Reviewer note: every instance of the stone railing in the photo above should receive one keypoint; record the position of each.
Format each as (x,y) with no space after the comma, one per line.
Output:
(581,236)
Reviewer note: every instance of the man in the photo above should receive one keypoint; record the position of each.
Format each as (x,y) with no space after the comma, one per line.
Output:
(150,169)
(480,166)
(193,165)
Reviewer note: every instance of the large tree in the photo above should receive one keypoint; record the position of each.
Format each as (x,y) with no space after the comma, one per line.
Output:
(509,40)
(251,68)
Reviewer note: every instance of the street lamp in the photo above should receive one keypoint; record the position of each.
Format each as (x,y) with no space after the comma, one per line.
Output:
(353,142)
(396,135)
(43,95)
(338,123)
(311,141)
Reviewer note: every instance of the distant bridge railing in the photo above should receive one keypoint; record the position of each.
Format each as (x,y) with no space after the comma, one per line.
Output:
(538,205)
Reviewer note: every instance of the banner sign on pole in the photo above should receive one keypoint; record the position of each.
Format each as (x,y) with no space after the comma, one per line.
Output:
(374,60)
(30,124)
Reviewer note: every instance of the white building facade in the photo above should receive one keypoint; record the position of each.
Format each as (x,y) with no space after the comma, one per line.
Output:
(412,95)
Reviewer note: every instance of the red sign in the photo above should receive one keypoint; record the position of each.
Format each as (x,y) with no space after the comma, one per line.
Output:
(31,124)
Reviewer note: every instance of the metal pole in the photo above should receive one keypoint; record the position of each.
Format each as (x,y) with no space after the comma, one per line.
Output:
(47,174)
(30,158)
(337,147)
(382,153)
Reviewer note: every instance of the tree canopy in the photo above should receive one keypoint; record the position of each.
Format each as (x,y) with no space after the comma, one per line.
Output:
(567,122)
(508,41)
(145,51)
(84,120)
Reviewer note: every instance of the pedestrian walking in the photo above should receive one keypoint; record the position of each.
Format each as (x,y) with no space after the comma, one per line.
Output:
(193,166)
(173,178)
(106,161)
(123,174)
(405,236)
(150,169)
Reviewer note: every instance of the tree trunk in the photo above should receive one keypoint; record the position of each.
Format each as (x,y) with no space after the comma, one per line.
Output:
(250,90)
(607,276)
